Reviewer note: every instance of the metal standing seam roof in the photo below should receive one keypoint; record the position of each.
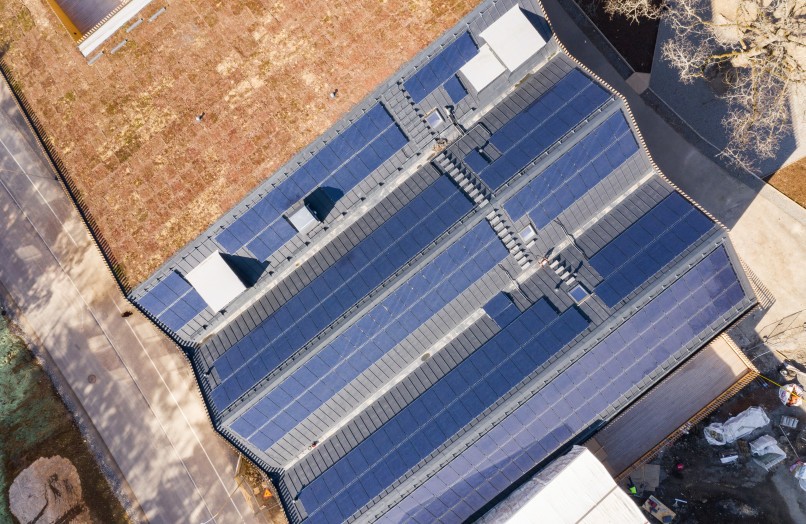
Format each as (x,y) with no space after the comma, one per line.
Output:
(411,356)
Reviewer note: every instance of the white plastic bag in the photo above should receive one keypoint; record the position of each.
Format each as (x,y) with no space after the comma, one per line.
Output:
(719,434)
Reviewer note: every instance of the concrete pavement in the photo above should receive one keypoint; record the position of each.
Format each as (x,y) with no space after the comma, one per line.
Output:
(143,402)
(767,229)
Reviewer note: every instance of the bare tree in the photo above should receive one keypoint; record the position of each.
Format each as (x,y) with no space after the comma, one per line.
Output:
(756,48)
(634,10)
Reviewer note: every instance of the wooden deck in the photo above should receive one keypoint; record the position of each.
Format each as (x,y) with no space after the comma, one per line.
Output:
(684,398)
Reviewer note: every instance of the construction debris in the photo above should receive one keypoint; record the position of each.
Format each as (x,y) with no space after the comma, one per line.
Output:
(766,452)
(789,422)
(659,510)
(791,394)
(734,428)
(646,477)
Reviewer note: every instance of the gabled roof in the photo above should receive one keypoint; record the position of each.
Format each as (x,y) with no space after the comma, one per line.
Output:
(412,356)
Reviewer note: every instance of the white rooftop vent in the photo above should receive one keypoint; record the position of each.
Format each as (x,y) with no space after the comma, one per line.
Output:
(215,281)
(513,38)
(302,219)
(482,69)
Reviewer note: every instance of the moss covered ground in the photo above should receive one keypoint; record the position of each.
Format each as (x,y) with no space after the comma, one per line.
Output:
(35,423)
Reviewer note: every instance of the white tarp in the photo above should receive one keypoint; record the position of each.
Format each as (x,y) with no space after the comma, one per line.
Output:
(215,281)
(800,474)
(482,69)
(767,451)
(736,427)
(513,38)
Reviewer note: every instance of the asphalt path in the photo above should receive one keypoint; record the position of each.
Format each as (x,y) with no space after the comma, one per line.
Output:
(142,401)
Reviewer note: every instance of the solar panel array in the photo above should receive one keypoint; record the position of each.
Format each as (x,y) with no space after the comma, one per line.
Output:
(501,309)
(441,68)
(407,332)
(329,295)
(646,246)
(455,89)
(573,401)
(173,301)
(575,173)
(541,124)
(341,164)
(379,330)
(436,415)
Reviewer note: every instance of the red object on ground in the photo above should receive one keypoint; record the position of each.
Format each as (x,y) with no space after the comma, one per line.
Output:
(679,466)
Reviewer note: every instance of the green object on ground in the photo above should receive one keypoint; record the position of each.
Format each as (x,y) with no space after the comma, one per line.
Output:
(37,424)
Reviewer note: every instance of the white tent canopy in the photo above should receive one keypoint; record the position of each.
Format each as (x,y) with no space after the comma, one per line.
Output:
(513,38)
(215,281)
(482,69)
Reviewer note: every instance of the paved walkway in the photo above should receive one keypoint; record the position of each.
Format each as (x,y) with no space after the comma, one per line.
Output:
(144,403)
(768,229)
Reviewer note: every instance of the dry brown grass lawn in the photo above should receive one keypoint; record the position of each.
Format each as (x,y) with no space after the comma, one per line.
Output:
(791,181)
(260,70)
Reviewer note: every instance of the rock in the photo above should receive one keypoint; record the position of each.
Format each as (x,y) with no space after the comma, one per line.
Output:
(47,491)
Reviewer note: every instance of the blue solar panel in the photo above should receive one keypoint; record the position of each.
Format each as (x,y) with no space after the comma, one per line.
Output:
(476,161)
(173,301)
(645,247)
(329,295)
(342,163)
(442,410)
(708,291)
(541,124)
(441,68)
(583,166)
(381,329)
(501,309)
(455,89)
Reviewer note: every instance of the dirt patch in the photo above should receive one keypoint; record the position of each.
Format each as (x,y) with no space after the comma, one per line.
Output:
(634,41)
(260,71)
(36,424)
(791,181)
(48,491)
(738,493)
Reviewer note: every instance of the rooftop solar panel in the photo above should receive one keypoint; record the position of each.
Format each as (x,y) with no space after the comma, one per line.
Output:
(645,247)
(441,67)
(542,123)
(455,89)
(526,437)
(357,313)
(173,301)
(342,163)
(583,166)
(380,329)
(348,279)
(501,309)
(433,417)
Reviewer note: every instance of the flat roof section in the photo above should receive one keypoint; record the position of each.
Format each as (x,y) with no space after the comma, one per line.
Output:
(698,387)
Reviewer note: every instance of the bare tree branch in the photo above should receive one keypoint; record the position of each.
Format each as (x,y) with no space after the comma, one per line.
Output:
(756,48)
